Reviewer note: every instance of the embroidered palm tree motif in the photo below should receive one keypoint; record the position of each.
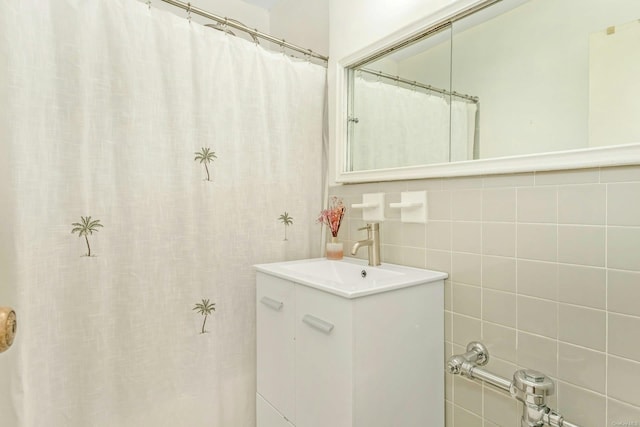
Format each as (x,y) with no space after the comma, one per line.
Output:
(85,228)
(287,221)
(205,156)
(205,308)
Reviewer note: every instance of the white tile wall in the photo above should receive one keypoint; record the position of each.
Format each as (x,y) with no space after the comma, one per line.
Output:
(544,269)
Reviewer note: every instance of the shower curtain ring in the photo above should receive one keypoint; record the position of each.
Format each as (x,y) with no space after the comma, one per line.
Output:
(282,46)
(149,4)
(189,12)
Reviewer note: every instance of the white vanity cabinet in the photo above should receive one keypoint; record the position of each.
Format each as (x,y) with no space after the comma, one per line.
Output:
(326,360)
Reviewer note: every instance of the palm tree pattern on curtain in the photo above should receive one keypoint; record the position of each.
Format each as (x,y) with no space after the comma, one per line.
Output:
(85,228)
(287,221)
(205,308)
(205,156)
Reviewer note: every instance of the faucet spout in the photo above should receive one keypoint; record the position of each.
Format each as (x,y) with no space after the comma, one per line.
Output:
(372,242)
(360,244)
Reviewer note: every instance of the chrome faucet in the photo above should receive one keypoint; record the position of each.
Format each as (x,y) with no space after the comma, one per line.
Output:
(372,243)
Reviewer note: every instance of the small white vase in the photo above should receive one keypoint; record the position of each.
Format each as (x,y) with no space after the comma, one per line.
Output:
(335,249)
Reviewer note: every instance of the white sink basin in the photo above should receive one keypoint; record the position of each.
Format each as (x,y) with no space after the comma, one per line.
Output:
(350,277)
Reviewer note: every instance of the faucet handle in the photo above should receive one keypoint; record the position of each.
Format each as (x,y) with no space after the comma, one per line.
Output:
(370,226)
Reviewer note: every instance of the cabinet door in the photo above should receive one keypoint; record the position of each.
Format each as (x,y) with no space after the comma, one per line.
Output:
(275,310)
(323,359)
(268,416)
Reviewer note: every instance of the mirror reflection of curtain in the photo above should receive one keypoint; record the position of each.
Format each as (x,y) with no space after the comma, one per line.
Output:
(614,85)
(408,127)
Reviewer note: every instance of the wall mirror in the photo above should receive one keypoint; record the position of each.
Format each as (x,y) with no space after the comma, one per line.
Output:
(504,80)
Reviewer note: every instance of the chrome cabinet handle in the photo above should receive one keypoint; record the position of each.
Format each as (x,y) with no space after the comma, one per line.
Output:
(271,303)
(318,324)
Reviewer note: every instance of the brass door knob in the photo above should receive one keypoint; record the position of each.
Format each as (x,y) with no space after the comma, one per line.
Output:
(8,327)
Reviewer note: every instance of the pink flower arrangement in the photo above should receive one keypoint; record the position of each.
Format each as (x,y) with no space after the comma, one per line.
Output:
(332,216)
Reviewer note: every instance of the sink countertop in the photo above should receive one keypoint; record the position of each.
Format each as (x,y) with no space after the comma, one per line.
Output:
(350,277)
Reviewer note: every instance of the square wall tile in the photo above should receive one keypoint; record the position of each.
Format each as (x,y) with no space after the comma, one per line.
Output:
(466,205)
(501,408)
(499,204)
(620,174)
(576,176)
(467,300)
(623,292)
(582,367)
(623,204)
(467,394)
(622,414)
(413,257)
(580,406)
(537,242)
(582,285)
(466,268)
(390,233)
(525,179)
(388,253)
(464,418)
(499,238)
(537,204)
(462,182)
(534,352)
(414,235)
(624,336)
(499,307)
(623,247)
(538,316)
(438,205)
(584,245)
(622,380)
(499,273)
(538,279)
(428,184)
(500,341)
(439,235)
(465,237)
(582,326)
(582,204)
(465,329)
(439,261)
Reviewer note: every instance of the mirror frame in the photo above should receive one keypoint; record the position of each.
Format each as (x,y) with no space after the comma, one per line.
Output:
(619,155)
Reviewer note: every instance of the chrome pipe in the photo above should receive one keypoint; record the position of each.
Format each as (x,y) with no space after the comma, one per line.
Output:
(238,26)
(488,377)
(529,387)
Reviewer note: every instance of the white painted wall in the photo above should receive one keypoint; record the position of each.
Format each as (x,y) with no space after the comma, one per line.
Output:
(302,22)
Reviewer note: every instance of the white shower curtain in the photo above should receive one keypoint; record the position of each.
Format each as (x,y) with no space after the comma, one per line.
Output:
(406,127)
(107,103)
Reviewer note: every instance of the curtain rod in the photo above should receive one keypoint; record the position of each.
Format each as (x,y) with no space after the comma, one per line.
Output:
(254,32)
(420,85)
